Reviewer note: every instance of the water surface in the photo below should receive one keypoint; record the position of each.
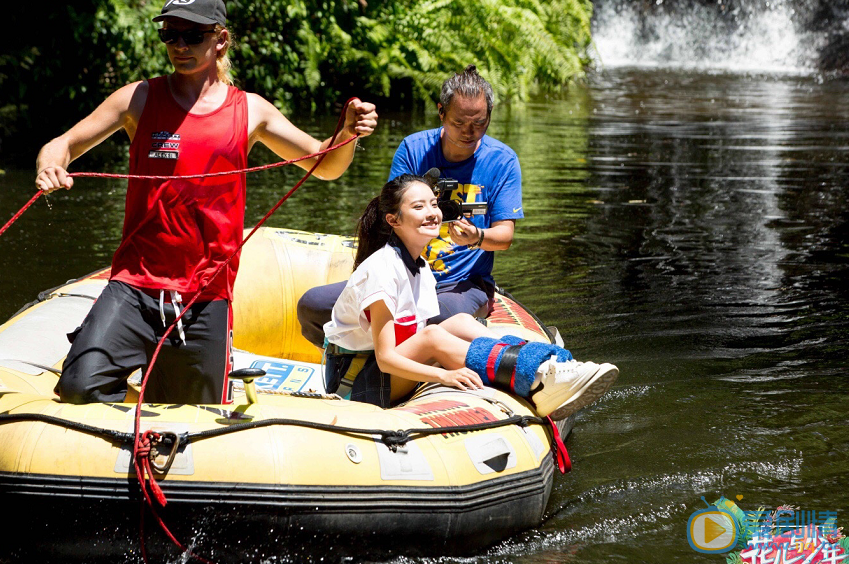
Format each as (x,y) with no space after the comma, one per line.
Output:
(689,227)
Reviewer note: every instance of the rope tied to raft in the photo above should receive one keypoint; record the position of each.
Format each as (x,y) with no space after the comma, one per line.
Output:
(392,438)
(144,455)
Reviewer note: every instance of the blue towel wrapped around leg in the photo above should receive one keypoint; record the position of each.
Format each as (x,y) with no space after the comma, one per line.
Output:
(531,355)
(511,340)
(477,354)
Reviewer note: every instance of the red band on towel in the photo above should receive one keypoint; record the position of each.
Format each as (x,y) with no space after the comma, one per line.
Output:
(490,361)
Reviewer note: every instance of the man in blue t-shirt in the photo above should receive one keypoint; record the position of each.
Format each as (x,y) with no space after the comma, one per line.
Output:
(486,171)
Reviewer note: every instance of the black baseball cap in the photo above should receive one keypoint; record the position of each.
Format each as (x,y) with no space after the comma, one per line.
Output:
(197,11)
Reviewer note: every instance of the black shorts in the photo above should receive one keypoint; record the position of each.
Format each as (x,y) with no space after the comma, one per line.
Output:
(120,334)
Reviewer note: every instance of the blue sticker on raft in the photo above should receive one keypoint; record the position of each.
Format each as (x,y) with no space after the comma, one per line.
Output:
(281,376)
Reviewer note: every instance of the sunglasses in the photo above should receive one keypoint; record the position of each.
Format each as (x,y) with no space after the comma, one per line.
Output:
(190,36)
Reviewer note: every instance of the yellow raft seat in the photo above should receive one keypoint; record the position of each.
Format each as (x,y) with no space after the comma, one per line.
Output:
(297,461)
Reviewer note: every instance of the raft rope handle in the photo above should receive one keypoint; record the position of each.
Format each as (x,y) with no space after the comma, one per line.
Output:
(391,438)
(115,436)
(138,462)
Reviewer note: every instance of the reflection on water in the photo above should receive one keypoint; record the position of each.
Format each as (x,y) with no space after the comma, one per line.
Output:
(711,272)
(691,228)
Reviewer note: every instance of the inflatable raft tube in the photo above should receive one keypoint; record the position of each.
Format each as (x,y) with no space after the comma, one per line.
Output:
(296,462)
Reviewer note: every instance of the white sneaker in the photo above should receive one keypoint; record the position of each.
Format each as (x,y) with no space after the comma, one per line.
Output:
(566,387)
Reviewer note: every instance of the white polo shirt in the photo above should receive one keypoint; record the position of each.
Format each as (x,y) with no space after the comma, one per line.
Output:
(406,286)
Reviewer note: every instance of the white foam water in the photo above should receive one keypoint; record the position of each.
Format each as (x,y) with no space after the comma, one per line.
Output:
(757,36)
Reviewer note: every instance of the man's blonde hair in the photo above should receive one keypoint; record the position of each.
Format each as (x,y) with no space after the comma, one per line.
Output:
(223,64)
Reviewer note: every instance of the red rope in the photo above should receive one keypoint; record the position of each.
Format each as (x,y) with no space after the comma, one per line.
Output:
(559,448)
(20,212)
(139,466)
(142,466)
(319,154)
(145,446)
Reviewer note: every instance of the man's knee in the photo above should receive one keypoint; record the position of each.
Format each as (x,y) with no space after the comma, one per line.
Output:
(315,308)
(72,389)
(311,319)
(68,392)
(84,380)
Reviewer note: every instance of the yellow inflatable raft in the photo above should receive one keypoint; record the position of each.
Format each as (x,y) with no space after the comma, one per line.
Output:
(473,467)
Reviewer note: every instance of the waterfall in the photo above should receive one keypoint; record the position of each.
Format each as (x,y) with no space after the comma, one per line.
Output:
(751,36)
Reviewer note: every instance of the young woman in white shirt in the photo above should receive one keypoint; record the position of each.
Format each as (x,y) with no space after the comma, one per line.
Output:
(392,293)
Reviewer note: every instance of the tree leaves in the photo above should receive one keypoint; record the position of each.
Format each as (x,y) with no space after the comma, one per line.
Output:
(300,54)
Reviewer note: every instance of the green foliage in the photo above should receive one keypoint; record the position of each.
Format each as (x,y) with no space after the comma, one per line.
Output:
(301,54)
(60,63)
(734,558)
(308,54)
(518,45)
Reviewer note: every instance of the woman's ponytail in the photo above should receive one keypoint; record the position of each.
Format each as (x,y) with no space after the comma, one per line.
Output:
(372,231)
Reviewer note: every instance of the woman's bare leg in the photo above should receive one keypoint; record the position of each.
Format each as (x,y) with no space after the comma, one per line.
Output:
(433,344)
(446,343)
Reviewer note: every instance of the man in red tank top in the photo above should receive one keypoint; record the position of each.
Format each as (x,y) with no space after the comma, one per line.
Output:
(178,232)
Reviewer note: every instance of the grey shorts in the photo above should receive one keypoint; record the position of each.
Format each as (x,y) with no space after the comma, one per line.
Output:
(120,334)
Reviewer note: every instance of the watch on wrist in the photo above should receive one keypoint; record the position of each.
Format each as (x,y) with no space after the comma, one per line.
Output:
(479,242)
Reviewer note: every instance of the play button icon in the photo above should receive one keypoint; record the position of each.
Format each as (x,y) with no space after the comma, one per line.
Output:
(712,531)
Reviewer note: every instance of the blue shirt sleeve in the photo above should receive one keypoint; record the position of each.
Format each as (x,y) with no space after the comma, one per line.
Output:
(401,162)
(506,198)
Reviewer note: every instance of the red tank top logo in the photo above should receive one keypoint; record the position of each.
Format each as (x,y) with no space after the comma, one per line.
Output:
(164,145)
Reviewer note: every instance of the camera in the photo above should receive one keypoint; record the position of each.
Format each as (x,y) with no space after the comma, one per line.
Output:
(452,210)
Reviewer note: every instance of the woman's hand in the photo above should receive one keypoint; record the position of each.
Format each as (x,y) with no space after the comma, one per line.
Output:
(462,379)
